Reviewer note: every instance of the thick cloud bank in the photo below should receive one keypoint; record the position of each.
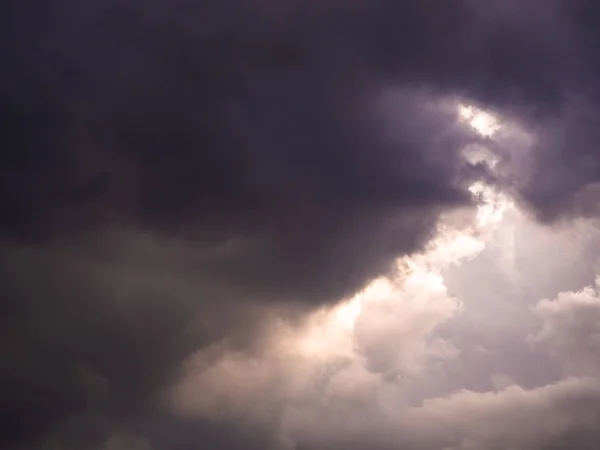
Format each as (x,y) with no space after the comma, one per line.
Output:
(196,199)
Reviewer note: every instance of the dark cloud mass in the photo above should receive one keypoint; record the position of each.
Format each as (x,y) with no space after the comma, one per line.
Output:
(175,175)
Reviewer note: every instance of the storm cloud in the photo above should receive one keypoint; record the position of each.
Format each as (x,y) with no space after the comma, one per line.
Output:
(189,189)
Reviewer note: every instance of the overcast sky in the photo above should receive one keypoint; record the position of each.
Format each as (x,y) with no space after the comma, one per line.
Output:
(300,225)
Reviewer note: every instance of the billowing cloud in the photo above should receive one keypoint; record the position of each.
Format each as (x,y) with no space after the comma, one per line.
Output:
(570,328)
(195,195)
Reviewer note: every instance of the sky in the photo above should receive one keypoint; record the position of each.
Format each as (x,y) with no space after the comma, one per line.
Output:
(300,225)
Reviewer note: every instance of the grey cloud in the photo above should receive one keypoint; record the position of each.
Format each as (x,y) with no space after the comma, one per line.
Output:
(93,329)
(265,159)
(270,135)
(278,102)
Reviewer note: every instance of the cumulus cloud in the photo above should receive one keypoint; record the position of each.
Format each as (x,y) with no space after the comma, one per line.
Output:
(570,328)
(512,418)
(194,196)
(509,418)
(331,359)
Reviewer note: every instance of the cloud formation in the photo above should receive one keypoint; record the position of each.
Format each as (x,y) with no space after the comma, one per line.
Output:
(571,328)
(193,195)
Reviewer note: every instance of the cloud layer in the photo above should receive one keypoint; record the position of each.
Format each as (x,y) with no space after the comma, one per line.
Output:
(194,197)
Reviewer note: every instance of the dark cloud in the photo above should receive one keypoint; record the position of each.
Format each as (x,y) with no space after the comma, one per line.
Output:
(165,113)
(254,130)
(94,329)
(174,174)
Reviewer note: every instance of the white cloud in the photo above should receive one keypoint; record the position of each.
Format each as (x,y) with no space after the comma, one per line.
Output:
(483,122)
(513,418)
(570,328)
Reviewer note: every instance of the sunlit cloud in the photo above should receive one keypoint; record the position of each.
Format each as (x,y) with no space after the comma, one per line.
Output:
(381,343)
(451,245)
(570,328)
(483,122)
(375,357)
(301,227)
(386,330)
